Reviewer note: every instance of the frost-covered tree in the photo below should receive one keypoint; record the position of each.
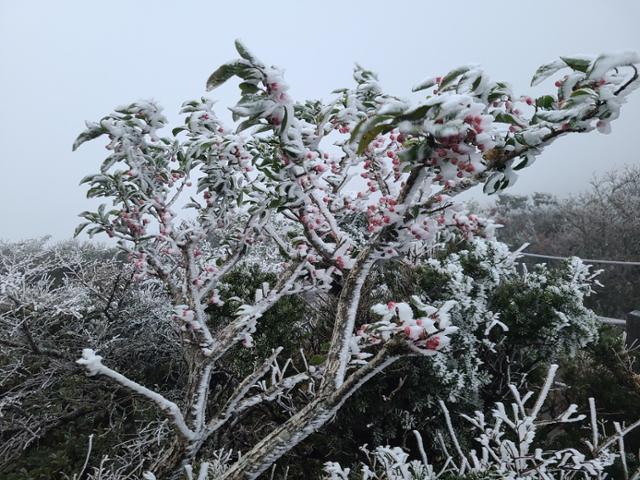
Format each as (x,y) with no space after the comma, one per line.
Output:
(355,182)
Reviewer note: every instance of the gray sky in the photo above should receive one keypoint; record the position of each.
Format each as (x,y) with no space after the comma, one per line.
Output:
(64,62)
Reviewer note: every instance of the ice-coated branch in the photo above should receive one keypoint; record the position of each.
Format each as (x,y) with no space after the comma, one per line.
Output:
(199,409)
(613,438)
(93,364)
(308,419)
(339,354)
(454,438)
(271,393)
(231,405)
(544,392)
(244,325)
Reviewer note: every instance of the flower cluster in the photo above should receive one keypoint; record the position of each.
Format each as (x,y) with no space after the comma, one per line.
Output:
(426,334)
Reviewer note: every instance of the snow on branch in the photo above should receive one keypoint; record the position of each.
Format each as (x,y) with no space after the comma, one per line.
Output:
(93,364)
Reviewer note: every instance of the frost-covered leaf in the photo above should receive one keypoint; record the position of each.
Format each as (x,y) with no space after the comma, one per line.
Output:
(607,62)
(576,63)
(78,230)
(506,118)
(545,71)
(430,82)
(492,185)
(244,52)
(453,75)
(224,73)
(371,134)
(94,130)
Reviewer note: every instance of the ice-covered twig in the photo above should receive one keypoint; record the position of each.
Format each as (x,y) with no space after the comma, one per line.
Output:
(93,364)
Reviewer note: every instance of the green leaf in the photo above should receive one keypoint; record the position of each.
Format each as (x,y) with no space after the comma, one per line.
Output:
(80,228)
(248,87)
(451,76)
(476,83)
(285,121)
(584,91)
(498,91)
(177,130)
(492,185)
(317,359)
(250,122)
(545,102)
(506,118)
(94,130)
(578,64)
(245,53)
(108,163)
(545,71)
(224,73)
(365,125)
(428,83)
(415,153)
(523,163)
(88,178)
(370,134)
(355,133)
(414,115)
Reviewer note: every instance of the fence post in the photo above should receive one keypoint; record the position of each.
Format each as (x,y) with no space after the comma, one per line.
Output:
(633,328)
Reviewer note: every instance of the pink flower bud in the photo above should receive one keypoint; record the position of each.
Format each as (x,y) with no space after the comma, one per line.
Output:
(432,343)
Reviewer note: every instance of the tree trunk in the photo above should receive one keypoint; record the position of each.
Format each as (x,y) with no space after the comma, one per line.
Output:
(305,422)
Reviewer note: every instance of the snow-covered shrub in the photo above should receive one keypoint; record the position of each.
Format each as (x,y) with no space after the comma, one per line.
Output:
(55,299)
(534,318)
(600,223)
(511,444)
(503,310)
(355,182)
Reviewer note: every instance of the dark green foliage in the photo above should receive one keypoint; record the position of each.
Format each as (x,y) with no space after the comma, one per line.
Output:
(609,372)
(281,325)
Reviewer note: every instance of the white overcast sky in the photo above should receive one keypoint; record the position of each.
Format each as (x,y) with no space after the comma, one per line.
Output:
(63,62)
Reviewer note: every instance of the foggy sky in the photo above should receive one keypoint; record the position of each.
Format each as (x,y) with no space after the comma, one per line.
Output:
(64,62)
